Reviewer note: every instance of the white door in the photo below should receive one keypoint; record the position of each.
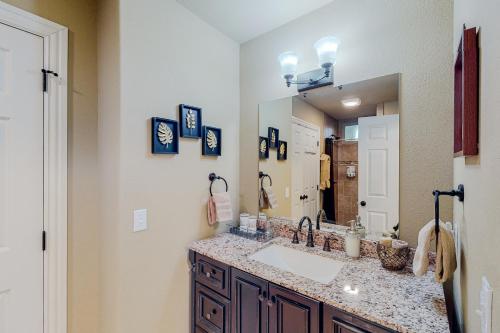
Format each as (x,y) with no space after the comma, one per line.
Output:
(21,181)
(378,186)
(305,169)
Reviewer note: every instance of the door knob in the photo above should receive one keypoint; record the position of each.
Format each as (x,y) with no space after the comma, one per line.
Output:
(363,203)
(306,197)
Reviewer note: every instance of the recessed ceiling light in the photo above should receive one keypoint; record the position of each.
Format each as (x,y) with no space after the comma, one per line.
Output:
(351,102)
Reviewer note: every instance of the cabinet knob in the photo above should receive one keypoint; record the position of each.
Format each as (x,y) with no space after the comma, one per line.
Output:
(208,316)
(208,275)
(261,298)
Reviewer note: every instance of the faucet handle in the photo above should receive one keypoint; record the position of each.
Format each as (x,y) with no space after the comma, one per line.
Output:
(295,239)
(326,245)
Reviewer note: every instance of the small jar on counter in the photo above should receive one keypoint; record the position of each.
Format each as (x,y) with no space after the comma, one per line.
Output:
(352,244)
(252,223)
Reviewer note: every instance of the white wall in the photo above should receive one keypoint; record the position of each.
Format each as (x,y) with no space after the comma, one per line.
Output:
(167,56)
(378,37)
(479,216)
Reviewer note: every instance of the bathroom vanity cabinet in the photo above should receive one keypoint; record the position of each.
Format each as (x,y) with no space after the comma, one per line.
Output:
(228,300)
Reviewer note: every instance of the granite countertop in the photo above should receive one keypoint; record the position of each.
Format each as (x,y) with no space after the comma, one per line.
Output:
(396,300)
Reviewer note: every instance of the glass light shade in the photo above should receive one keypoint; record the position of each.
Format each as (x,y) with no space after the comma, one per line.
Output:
(326,48)
(288,62)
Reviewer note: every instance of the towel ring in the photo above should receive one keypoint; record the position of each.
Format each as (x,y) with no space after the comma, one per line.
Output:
(213,177)
(263,175)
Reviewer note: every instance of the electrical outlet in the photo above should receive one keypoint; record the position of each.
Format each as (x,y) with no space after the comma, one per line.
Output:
(140,220)
(485,305)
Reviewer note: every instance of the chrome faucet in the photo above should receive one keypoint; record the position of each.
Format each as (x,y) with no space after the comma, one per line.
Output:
(321,213)
(310,238)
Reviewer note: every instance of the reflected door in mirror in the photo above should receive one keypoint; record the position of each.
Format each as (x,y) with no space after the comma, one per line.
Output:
(379,173)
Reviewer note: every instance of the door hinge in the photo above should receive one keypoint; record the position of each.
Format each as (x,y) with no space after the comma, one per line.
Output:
(45,73)
(44,240)
(317,143)
(317,187)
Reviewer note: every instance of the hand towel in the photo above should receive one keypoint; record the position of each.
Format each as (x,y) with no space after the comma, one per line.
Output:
(212,217)
(271,198)
(446,261)
(223,209)
(324,181)
(263,202)
(421,258)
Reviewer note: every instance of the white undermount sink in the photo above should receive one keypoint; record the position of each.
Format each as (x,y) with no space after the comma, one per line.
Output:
(308,265)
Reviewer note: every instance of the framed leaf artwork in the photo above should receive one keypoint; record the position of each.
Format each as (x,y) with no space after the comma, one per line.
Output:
(212,141)
(190,121)
(164,136)
(263,147)
(282,151)
(273,135)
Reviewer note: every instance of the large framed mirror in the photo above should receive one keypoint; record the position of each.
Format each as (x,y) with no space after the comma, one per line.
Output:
(333,153)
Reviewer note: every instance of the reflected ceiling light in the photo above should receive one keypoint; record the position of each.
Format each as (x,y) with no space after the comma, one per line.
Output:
(351,102)
(326,49)
(350,290)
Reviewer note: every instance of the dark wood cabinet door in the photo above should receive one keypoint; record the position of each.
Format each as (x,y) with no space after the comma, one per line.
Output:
(249,303)
(290,312)
(338,321)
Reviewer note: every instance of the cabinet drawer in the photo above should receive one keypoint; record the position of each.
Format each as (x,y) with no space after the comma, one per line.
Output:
(337,321)
(213,274)
(199,330)
(212,311)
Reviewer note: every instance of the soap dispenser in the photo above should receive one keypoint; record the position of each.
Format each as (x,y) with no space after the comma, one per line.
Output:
(352,244)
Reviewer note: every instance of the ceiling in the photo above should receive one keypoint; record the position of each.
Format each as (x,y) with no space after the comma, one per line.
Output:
(243,20)
(371,92)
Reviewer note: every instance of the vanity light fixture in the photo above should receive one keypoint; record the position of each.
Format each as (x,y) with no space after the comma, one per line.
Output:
(326,50)
(351,102)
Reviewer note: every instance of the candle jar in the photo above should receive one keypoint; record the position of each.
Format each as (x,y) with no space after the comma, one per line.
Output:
(352,244)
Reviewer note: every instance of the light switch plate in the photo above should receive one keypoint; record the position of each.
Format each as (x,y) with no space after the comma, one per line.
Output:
(485,305)
(287,192)
(140,219)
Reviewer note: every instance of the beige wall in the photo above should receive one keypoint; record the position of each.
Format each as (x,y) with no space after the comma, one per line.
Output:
(83,233)
(161,55)
(478,217)
(277,114)
(378,37)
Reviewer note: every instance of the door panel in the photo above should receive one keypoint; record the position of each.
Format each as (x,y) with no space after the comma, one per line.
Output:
(249,303)
(291,312)
(379,172)
(21,181)
(305,169)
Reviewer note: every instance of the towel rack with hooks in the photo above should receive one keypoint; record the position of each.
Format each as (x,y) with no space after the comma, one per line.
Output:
(263,175)
(213,177)
(459,192)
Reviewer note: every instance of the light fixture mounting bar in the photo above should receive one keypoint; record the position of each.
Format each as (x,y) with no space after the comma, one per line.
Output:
(314,79)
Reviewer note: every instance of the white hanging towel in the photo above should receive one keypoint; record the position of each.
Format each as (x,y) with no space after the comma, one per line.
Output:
(223,208)
(270,197)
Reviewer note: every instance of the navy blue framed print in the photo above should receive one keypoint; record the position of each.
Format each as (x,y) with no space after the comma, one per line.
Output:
(273,135)
(189,121)
(282,151)
(165,136)
(212,141)
(263,147)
